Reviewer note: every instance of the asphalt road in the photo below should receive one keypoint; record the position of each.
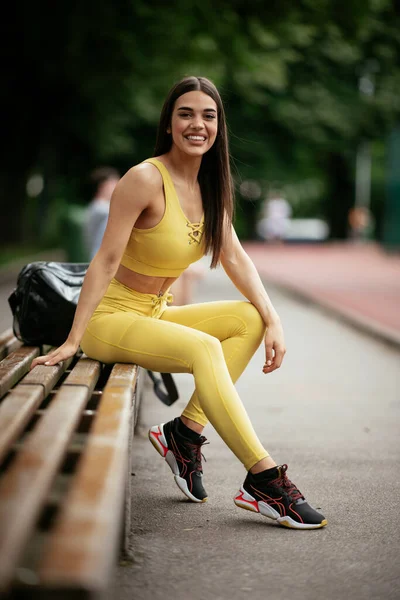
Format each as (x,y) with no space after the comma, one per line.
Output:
(331,413)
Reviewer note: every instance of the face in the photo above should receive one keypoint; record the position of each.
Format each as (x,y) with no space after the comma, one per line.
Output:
(194,123)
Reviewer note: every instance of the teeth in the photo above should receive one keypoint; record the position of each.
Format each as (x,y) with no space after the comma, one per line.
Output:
(197,138)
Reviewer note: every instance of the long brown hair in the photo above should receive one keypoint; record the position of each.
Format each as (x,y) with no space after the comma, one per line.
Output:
(214,177)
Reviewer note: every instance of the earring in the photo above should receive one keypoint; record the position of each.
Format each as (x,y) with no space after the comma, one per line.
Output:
(168,130)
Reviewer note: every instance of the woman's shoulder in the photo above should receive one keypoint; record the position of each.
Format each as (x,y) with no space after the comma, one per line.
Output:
(140,183)
(144,174)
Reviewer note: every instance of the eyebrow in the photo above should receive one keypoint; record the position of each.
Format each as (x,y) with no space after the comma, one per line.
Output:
(189,108)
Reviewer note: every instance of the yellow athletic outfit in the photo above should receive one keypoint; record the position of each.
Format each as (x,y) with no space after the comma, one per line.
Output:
(214,341)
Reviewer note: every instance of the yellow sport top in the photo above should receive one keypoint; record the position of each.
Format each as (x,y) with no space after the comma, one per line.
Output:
(168,248)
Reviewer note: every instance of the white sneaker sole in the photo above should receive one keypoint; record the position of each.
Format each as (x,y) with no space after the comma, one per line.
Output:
(157,438)
(244,500)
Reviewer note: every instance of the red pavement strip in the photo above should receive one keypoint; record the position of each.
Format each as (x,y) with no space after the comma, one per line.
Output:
(359,282)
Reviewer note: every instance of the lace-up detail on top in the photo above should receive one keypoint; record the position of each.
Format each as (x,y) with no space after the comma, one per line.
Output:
(284,482)
(169,247)
(196,232)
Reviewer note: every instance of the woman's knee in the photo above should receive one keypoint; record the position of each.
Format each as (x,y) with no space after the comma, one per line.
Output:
(254,322)
(208,346)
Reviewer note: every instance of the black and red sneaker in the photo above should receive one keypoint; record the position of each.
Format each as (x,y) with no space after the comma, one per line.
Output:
(183,456)
(273,495)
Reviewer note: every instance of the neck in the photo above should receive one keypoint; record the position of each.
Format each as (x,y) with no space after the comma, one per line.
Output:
(184,166)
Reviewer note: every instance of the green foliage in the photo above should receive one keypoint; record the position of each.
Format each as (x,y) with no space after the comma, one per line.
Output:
(289,72)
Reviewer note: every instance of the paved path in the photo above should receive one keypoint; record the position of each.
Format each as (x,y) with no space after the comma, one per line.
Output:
(332,413)
(359,282)
(5,313)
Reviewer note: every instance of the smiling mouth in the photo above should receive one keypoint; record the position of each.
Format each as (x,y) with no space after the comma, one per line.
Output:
(196,138)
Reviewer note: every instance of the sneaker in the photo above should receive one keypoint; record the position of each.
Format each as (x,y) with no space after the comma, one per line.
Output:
(278,498)
(183,456)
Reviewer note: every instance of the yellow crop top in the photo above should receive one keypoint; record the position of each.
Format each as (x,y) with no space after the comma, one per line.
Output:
(168,248)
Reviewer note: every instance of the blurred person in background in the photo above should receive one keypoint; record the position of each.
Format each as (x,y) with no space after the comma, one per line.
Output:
(103,181)
(361,224)
(166,213)
(275,217)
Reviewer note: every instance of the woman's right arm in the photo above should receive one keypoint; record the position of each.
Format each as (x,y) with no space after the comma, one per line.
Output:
(131,197)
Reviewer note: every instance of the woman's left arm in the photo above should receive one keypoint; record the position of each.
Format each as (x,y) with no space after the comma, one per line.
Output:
(241,270)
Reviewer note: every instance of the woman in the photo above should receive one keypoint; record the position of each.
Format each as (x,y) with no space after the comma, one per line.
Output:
(165,214)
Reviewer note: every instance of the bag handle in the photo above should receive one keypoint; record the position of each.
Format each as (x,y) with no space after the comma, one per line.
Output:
(172,393)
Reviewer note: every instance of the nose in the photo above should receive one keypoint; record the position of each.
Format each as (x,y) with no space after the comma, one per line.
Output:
(197,123)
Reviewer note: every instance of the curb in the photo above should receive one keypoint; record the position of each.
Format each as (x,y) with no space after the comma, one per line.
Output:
(348,316)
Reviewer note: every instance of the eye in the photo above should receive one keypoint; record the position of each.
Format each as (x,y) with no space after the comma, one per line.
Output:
(184,114)
(210,117)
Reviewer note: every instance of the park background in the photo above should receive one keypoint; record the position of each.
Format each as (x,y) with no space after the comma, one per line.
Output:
(311,90)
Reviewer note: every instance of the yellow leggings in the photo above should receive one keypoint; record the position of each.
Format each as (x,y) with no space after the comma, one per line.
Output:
(214,341)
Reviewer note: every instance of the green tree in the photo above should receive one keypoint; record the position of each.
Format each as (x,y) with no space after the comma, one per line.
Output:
(87,88)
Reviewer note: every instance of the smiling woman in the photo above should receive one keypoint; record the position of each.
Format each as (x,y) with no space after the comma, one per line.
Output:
(194,108)
(165,214)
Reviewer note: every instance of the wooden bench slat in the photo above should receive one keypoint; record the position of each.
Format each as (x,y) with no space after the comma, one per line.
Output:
(10,346)
(86,420)
(5,336)
(25,485)
(15,412)
(22,401)
(8,343)
(46,377)
(80,551)
(86,372)
(94,449)
(122,375)
(14,366)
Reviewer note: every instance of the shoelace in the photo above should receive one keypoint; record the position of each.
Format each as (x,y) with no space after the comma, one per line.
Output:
(195,233)
(196,453)
(289,487)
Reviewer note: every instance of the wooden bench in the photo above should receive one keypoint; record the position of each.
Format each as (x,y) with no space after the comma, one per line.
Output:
(65,472)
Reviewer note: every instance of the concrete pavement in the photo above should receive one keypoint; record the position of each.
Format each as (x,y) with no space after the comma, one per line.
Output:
(332,413)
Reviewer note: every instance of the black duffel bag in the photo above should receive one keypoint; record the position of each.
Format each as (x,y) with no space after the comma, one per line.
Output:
(43,307)
(44,301)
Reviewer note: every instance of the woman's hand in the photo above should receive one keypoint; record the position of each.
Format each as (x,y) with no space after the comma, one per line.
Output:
(274,347)
(64,352)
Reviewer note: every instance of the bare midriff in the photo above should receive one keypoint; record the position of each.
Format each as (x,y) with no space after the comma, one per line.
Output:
(145,284)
